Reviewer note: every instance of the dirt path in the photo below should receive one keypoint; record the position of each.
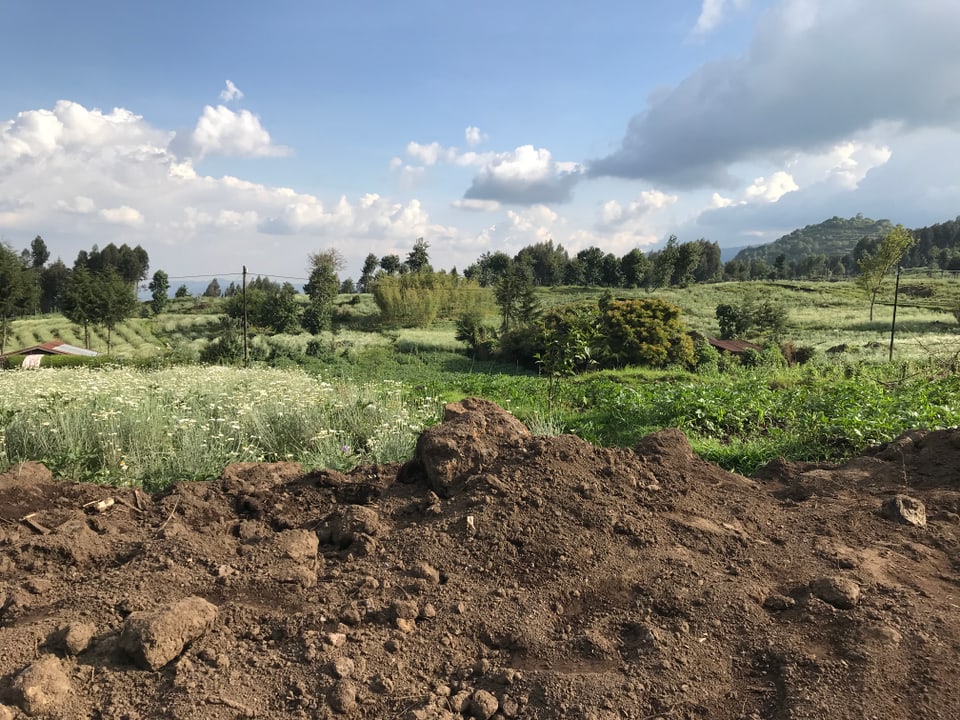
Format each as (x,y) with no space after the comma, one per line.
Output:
(496,575)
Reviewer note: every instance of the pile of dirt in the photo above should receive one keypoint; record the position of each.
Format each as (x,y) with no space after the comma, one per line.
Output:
(496,575)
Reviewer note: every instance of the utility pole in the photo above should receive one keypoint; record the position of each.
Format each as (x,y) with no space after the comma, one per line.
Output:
(893,324)
(243,293)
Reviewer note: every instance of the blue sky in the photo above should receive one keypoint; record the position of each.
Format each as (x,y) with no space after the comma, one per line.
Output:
(221,134)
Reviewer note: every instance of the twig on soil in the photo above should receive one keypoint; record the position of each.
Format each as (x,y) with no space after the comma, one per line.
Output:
(233,705)
(170,516)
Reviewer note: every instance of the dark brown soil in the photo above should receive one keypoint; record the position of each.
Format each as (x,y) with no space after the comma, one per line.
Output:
(495,575)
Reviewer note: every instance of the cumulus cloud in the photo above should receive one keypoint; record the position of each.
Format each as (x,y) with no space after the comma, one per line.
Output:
(81,176)
(773,188)
(712,13)
(231,92)
(612,213)
(525,176)
(222,131)
(816,73)
(473,136)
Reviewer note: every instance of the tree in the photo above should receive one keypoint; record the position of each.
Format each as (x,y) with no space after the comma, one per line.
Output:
(159,287)
(634,266)
(213,289)
(663,264)
(875,266)
(322,288)
(115,300)
(418,259)
(16,294)
(79,300)
(182,292)
(280,311)
(489,268)
(547,262)
(370,265)
(347,287)
(516,298)
(390,264)
(687,260)
(53,283)
(38,253)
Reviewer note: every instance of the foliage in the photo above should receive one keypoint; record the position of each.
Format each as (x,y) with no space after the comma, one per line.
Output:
(836,236)
(159,288)
(418,260)
(322,288)
(417,299)
(17,293)
(875,266)
(754,318)
(182,292)
(647,332)
(479,336)
(213,289)
(516,298)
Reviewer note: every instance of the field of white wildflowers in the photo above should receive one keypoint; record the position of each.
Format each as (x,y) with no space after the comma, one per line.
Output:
(151,428)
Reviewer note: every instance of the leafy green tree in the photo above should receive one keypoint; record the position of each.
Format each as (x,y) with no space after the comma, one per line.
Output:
(38,253)
(370,265)
(182,292)
(875,266)
(546,262)
(53,282)
(80,300)
(634,266)
(489,268)
(419,258)
(17,290)
(347,287)
(481,337)
(663,264)
(115,300)
(280,311)
(159,287)
(213,289)
(390,264)
(688,260)
(322,289)
(516,298)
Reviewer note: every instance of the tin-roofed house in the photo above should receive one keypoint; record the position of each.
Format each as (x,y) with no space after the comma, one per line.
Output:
(33,355)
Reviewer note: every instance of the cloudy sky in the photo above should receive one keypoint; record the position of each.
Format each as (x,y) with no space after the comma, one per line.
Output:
(221,134)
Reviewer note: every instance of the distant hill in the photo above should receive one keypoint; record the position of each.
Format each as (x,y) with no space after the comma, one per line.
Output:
(836,236)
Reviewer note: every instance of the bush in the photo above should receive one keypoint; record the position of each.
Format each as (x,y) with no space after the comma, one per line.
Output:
(478,336)
(706,358)
(646,331)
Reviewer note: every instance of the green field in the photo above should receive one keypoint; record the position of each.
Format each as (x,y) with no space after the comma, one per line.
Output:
(149,415)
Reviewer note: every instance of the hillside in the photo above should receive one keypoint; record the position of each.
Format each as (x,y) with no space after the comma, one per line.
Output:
(836,236)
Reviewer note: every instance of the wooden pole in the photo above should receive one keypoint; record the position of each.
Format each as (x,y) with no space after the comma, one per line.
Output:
(893,324)
(243,293)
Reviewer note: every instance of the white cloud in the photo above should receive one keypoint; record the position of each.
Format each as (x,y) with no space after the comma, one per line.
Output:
(473,136)
(231,92)
(221,131)
(612,213)
(476,205)
(816,73)
(525,176)
(123,215)
(712,13)
(773,188)
(80,177)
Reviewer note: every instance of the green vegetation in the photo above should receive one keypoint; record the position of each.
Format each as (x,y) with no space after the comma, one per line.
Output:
(612,361)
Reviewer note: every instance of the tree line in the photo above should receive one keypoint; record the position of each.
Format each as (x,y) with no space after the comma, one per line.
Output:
(99,289)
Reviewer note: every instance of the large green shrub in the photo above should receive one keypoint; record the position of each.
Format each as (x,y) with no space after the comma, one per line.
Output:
(645,331)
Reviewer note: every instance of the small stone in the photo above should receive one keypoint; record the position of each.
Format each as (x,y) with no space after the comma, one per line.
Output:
(406,609)
(906,510)
(428,612)
(153,639)
(779,602)
(350,614)
(509,707)
(427,572)
(38,586)
(343,697)
(335,639)
(405,625)
(391,645)
(42,686)
(343,668)
(460,701)
(6,712)
(483,705)
(840,592)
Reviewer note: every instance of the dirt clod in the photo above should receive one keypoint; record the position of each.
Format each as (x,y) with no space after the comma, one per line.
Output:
(496,575)
(905,509)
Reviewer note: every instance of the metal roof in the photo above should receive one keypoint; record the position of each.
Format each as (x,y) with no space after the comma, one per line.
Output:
(52,347)
(734,346)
